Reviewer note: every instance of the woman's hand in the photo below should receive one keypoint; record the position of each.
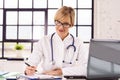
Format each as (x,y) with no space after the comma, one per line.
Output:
(54,72)
(30,70)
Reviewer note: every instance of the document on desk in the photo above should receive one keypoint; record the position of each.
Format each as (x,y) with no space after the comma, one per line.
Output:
(41,76)
(3,73)
(8,75)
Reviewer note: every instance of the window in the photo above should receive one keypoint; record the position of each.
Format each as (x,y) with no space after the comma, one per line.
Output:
(26,23)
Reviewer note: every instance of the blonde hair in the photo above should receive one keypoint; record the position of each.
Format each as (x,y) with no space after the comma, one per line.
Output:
(65,13)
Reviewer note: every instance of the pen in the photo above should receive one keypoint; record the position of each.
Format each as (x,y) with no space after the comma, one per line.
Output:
(29,65)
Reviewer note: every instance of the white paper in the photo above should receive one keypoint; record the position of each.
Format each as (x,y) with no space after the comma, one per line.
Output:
(40,76)
(3,73)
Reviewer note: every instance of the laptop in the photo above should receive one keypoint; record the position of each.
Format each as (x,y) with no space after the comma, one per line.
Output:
(104,60)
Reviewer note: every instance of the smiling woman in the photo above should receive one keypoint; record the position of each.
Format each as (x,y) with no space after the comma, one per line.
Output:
(59,53)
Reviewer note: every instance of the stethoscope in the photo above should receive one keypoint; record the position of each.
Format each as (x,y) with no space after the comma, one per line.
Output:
(71,45)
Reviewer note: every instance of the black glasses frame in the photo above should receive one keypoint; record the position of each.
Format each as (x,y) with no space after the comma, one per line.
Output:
(58,23)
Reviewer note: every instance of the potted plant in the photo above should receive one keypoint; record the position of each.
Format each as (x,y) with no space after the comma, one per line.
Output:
(19,48)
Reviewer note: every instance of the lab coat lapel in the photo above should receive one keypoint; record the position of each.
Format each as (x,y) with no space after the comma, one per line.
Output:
(58,47)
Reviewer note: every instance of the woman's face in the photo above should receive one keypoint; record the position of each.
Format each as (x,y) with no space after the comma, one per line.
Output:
(62,28)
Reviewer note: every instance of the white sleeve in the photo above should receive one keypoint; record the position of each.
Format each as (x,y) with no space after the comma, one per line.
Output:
(36,55)
(81,67)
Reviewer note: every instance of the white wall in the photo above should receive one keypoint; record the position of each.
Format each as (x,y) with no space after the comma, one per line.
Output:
(107,19)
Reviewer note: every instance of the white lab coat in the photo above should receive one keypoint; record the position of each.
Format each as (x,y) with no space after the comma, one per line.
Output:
(42,52)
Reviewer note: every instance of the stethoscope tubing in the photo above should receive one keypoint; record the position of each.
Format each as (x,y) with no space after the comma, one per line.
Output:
(51,43)
(72,44)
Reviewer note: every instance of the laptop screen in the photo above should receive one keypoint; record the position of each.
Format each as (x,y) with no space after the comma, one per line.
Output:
(104,59)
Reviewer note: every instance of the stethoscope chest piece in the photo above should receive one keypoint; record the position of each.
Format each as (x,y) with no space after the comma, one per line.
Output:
(53,62)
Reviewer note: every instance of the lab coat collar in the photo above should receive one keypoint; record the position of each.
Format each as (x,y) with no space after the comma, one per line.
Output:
(66,38)
(57,37)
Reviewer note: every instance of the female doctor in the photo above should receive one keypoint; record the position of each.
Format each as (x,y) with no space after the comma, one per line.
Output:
(61,53)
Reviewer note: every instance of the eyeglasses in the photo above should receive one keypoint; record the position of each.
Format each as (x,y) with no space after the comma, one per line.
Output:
(58,23)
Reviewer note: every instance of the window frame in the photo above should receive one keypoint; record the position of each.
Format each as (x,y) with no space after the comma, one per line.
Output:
(46,23)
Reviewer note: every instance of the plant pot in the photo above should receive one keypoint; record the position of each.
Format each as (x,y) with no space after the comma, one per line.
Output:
(19,53)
